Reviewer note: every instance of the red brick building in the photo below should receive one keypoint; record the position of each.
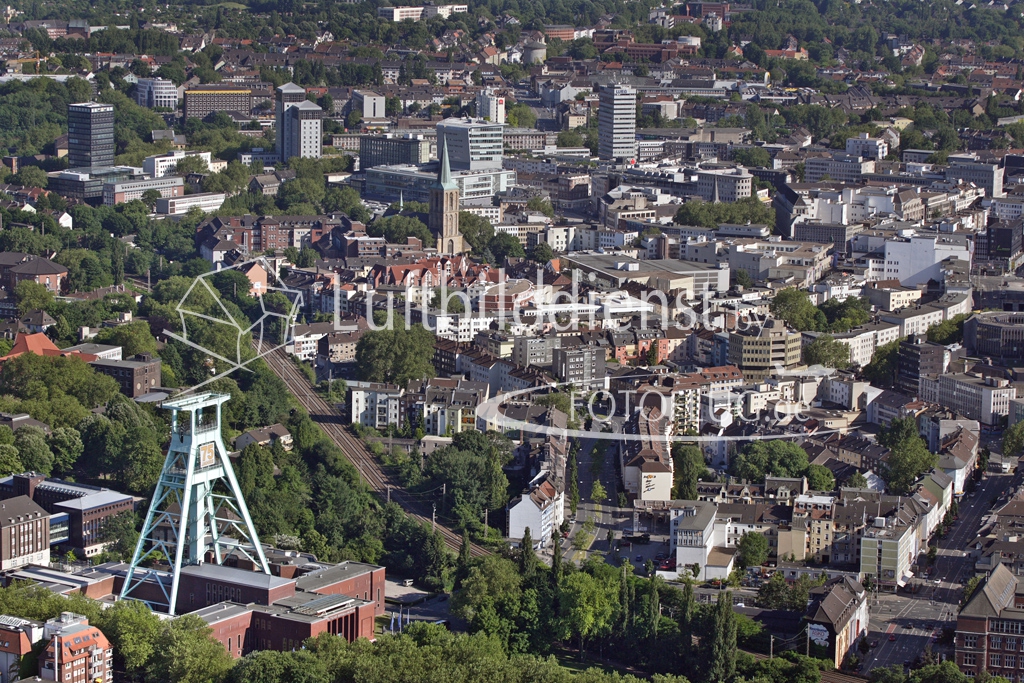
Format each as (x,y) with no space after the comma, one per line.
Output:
(251,611)
(16,267)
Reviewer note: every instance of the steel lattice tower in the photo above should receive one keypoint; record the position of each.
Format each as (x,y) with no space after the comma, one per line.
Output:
(197,507)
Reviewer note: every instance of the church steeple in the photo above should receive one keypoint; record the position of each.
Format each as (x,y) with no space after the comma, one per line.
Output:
(444,207)
(444,175)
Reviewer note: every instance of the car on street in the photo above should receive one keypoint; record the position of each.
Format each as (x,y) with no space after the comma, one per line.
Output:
(892,637)
(872,643)
(639,558)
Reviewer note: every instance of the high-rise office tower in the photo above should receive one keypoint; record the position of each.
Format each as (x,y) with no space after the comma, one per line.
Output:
(472,144)
(616,123)
(490,106)
(288,95)
(90,135)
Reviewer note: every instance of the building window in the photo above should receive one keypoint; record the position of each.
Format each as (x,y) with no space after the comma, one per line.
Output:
(970,641)
(995,660)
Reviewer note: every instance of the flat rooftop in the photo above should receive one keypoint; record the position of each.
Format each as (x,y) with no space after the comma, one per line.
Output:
(331,575)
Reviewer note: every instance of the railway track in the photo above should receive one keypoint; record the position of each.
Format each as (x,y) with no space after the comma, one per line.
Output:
(332,422)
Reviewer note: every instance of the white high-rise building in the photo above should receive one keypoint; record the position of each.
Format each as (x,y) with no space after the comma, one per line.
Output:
(473,144)
(299,124)
(616,123)
(302,131)
(490,106)
(156,92)
(287,95)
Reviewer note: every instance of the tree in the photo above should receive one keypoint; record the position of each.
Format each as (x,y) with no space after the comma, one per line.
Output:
(542,205)
(149,198)
(1013,440)
(597,493)
(9,462)
(32,296)
(520,115)
(192,163)
(30,176)
(828,351)
(66,445)
(120,534)
(397,229)
(820,478)
(857,481)
(774,593)
(133,338)
(795,308)
(527,556)
(753,549)
(504,245)
(569,138)
(753,157)
(186,652)
(133,630)
(453,303)
(395,355)
(720,649)
(908,458)
(33,451)
(969,587)
(689,466)
(742,278)
(585,606)
(773,457)
(476,230)
(948,332)
(882,368)
(542,252)
(709,215)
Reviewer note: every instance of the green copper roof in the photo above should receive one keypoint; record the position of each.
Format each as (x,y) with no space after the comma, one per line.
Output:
(444,177)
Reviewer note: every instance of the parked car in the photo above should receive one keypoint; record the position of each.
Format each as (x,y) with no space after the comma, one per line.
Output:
(892,637)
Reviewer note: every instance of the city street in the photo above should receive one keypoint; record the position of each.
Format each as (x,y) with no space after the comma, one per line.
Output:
(912,618)
(608,516)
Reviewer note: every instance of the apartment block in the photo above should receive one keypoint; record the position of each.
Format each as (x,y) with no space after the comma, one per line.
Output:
(203,100)
(842,168)
(76,652)
(136,376)
(582,366)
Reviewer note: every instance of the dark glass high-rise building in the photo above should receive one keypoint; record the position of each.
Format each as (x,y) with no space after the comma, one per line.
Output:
(90,135)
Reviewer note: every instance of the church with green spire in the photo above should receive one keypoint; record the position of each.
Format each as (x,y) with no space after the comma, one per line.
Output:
(444,208)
